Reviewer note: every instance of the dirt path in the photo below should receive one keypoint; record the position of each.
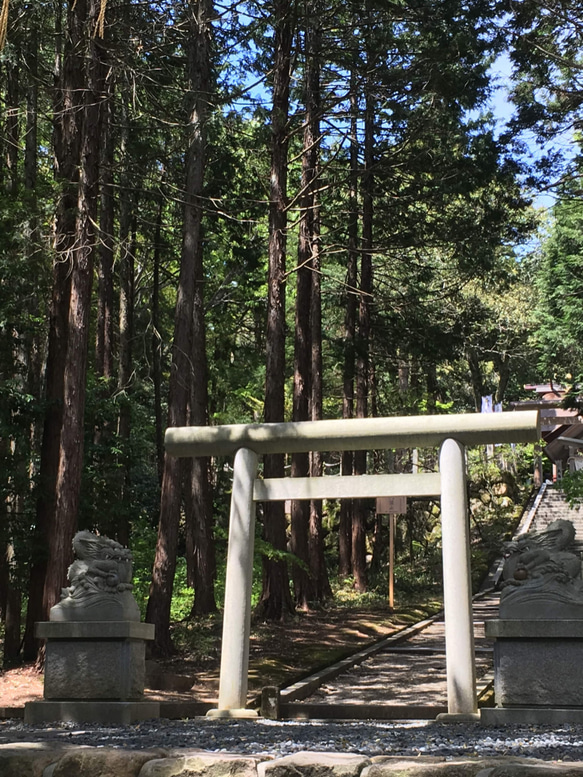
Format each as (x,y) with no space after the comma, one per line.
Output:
(279,652)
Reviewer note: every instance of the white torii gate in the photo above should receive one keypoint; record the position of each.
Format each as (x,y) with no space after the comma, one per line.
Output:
(248,441)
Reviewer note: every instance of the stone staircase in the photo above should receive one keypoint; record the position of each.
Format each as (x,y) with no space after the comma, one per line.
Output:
(553,506)
(543,507)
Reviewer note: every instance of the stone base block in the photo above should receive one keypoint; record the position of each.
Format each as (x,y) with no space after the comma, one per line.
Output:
(96,669)
(235,713)
(538,673)
(537,663)
(120,713)
(100,660)
(458,717)
(496,716)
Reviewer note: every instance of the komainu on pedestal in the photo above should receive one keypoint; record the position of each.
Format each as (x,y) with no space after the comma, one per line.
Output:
(538,648)
(95,644)
(100,582)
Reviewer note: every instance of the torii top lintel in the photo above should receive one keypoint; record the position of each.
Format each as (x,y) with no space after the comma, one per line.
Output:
(355,434)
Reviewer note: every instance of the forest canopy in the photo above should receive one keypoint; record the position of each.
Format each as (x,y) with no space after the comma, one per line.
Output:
(265,211)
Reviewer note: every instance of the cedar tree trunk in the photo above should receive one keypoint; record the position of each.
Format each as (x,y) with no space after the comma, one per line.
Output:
(276,600)
(199,46)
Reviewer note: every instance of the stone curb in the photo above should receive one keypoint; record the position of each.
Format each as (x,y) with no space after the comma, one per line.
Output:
(43,759)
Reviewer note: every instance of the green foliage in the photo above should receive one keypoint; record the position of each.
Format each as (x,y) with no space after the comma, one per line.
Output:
(546,54)
(449,213)
(559,286)
(143,547)
(499,487)
(572,487)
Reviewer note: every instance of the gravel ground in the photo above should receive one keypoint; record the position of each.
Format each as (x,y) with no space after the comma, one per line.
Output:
(275,738)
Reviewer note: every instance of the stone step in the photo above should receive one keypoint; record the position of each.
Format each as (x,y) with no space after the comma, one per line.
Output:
(554,506)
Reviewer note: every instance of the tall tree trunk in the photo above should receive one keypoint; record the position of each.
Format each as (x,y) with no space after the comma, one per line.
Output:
(476,376)
(34,344)
(199,48)
(17,347)
(432,388)
(68,93)
(300,462)
(318,572)
(347,505)
(502,363)
(12,607)
(276,600)
(199,518)
(105,295)
(128,241)
(12,125)
(157,342)
(80,257)
(362,361)
(200,539)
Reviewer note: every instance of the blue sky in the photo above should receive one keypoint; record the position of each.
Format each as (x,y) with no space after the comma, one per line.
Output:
(503,111)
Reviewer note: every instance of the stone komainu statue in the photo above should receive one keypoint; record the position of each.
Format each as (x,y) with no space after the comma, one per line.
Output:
(542,575)
(100,582)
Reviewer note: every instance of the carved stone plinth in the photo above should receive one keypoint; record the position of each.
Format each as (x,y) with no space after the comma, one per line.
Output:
(93,670)
(537,676)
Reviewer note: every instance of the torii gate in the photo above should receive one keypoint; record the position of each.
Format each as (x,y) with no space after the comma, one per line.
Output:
(248,441)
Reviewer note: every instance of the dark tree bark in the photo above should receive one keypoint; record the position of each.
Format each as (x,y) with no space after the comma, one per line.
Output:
(31,139)
(319,575)
(276,600)
(34,342)
(502,363)
(200,539)
(128,241)
(104,359)
(83,17)
(346,505)
(12,607)
(199,47)
(12,127)
(364,329)
(318,571)
(69,82)
(21,346)
(432,388)
(199,516)
(476,376)
(157,342)
(10,504)
(300,462)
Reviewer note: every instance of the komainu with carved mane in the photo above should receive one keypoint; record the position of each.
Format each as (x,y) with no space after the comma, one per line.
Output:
(100,582)
(542,575)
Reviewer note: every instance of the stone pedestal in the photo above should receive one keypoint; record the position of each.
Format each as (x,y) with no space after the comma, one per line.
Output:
(94,672)
(537,671)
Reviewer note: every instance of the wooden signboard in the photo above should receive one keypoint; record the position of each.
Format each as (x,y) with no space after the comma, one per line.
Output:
(391,505)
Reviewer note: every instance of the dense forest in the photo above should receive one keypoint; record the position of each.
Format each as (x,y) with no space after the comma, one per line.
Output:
(266,211)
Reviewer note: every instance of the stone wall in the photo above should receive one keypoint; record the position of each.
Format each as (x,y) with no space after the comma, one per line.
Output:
(26,759)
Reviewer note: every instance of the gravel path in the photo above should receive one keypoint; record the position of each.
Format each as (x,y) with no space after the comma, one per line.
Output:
(273,738)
